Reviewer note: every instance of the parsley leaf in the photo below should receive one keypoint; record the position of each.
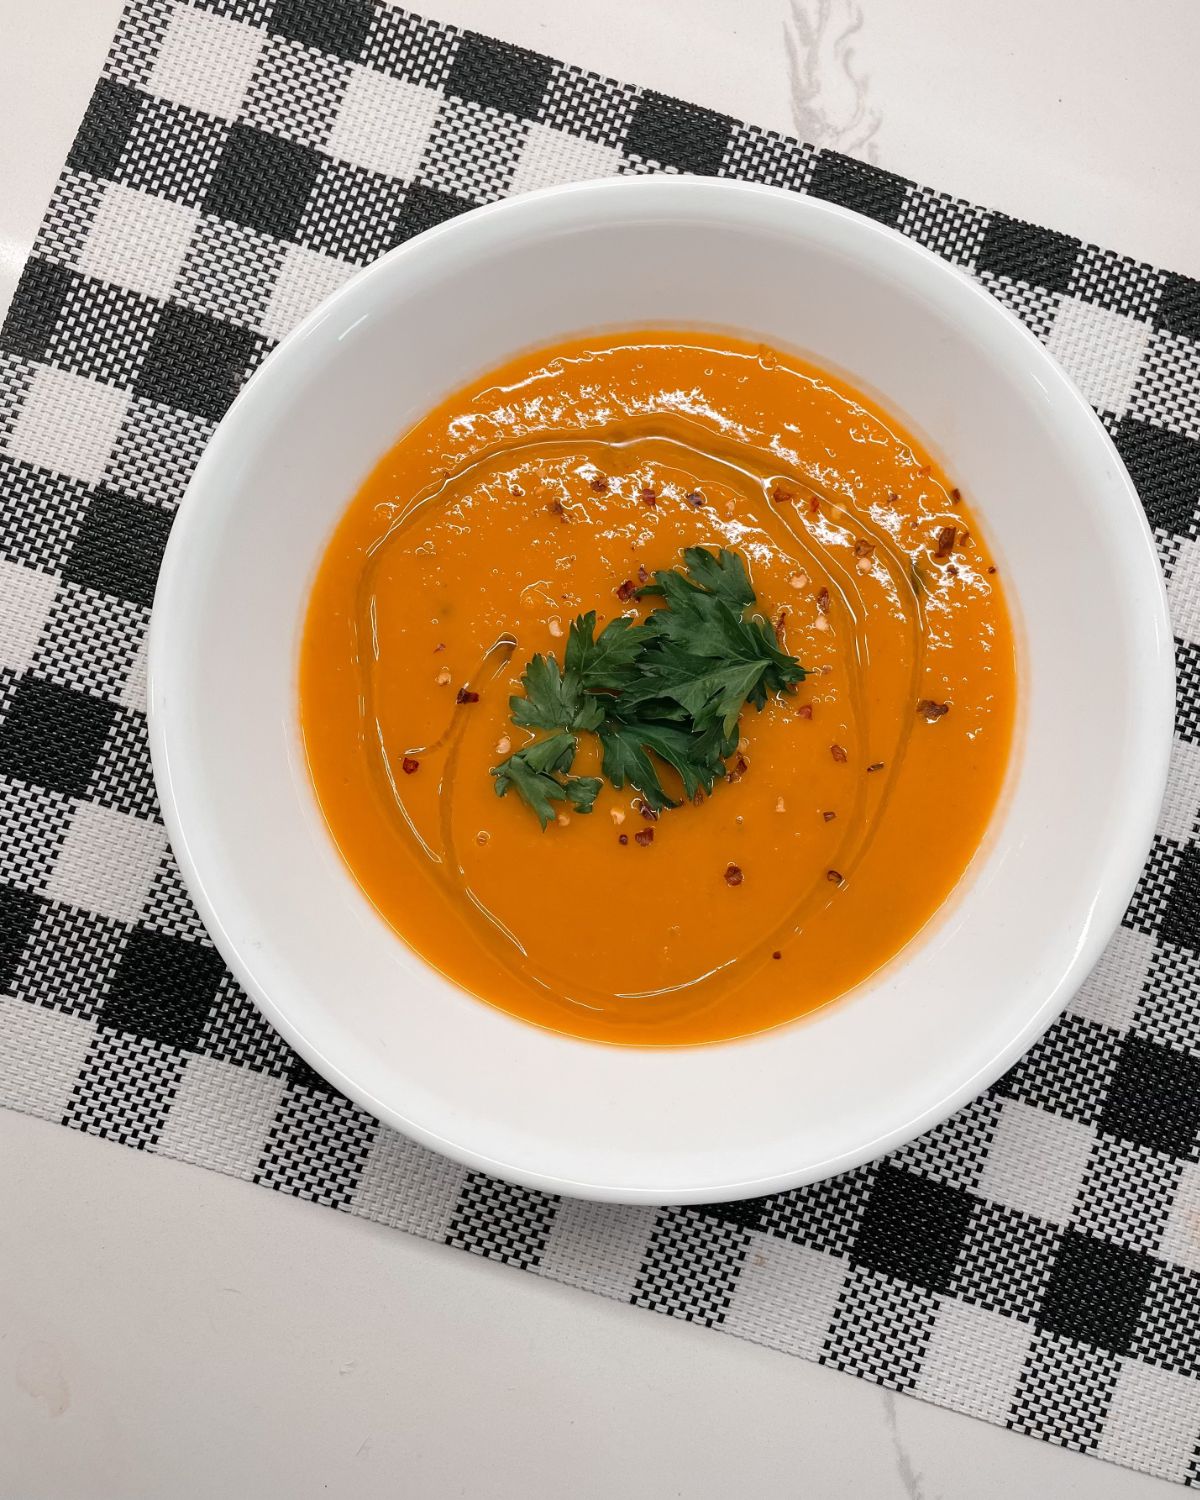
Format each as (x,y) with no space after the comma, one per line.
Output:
(724,576)
(669,690)
(552,700)
(608,663)
(537,774)
(701,652)
(626,741)
(564,698)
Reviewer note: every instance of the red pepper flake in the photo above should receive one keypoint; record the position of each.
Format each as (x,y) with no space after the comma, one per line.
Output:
(649,495)
(777,954)
(465,695)
(642,574)
(923,471)
(814,503)
(625,591)
(863,548)
(804,711)
(599,483)
(741,765)
(829,816)
(838,754)
(622,838)
(694,497)
(931,710)
(556,509)
(782,496)
(951,570)
(893,498)
(410,764)
(441,645)
(780,622)
(991,570)
(644,836)
(956,496)
(697,797)
(876,765)
(834,875)
(733,875)
(945,541)
(823,602)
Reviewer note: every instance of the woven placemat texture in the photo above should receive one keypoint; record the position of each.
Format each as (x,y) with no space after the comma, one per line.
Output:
(1035,1261)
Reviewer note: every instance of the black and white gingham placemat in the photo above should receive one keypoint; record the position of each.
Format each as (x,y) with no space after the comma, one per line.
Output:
(1036,1261)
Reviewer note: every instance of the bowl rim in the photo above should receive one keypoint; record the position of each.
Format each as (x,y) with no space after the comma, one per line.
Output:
(1151,729)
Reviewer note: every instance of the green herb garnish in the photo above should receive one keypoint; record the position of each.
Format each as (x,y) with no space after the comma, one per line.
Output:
(668,691)
(539,774)
(568,699)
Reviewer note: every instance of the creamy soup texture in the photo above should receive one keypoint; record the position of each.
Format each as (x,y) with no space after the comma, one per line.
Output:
(558,484)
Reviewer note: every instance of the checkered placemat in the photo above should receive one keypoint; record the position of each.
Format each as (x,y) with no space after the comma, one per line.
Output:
(1035,1261)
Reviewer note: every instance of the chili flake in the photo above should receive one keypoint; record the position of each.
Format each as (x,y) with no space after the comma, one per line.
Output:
(644,836)
(410,764)
(465,695)
(932,710)
(733,875)
(838,754)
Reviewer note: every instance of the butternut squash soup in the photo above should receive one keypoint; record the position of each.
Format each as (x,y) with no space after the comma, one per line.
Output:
(657,687)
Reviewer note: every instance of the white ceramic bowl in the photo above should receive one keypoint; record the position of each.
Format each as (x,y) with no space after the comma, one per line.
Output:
(967,997)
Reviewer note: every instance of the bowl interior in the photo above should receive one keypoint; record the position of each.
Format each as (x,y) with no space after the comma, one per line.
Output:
(926,1033)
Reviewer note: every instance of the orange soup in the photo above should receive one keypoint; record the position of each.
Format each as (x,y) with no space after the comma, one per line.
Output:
(846,806)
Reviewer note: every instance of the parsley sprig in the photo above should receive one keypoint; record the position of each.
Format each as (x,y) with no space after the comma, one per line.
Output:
(666,692)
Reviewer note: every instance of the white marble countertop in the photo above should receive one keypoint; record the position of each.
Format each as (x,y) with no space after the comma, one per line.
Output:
(167,1332)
